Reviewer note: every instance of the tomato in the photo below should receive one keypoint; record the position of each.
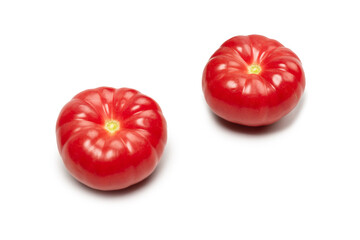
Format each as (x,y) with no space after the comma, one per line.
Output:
(111,138)
(253,80)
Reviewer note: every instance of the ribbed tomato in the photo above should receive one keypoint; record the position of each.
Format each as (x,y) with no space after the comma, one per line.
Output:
(253,80)
(111,138)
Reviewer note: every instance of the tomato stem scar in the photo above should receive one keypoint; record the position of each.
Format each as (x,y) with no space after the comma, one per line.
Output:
(112,126)
(254,69)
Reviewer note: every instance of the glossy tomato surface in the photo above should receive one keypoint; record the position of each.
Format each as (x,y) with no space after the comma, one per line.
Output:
(253,80)
(111,138)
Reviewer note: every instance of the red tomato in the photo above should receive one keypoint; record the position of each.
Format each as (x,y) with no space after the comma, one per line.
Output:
(111,138)
(253,80)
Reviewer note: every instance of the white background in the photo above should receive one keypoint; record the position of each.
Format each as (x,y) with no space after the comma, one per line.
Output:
(296,179)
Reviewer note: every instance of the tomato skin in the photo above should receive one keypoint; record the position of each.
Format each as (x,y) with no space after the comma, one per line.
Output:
(107,160)
(253,99)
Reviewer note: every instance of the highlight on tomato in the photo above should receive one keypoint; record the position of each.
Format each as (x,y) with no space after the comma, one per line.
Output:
(253,80)
(111,138)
